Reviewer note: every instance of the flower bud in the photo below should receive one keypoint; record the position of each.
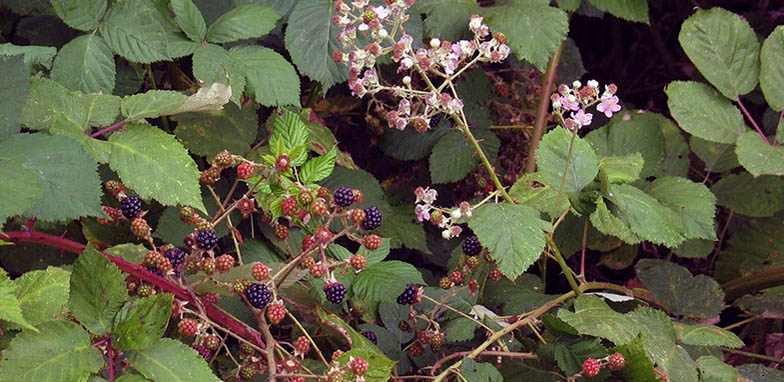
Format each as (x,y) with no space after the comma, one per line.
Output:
(435,43)
(577,84)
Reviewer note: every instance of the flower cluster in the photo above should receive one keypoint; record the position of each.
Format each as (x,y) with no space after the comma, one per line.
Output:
(441,217)
(577,99)
(366,36)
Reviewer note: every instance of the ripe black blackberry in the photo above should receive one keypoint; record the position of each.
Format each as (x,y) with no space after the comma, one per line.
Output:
(370,336)
(206,239)
(471,246)
(130,206)
(258,295)
(435,120)
(343,196)
(175,255)
(372,218)
(409,295)
(335,291)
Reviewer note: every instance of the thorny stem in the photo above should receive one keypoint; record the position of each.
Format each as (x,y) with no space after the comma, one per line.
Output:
(541,112)
(110,352)
(438,303)
(754,355)
(753,123)
(108,129)
(438,363)
(312,342)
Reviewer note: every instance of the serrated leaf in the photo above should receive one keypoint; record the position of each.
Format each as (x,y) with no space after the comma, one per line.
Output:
(760,373)
(14,88)
(318,168)
(566,163)
(207,134)
(683,294)
(480,372)
(608,223)
(646,216)
(632,10)
(212,63)
(83,15)
(19,190)
(713,369)
(754,247)
(676,150)
(571,357)
(288,133)
(130,377)
(9,306)
(724,48)
(384,281)
(48,101)
(632,133)
(706,335)
(60,352)
(410,145)
(638,367)
(694,248)
(758,156)
(454,156)
(132,253)
(531,191)
(391,313)
(271,79)
(141,322)
(97,149)
(514,234)
(85,64)
(771,74)
(702,112)
(402,229)
(534,31)
(152,163)
(71,187)
(172,361)
(592,316)
(33,55)
(311,39)
(189,19)
(658,336)
(447,19)
(97,291)
(102,109)
(206,99)
(621,169)
(692,202)
(151,104)
(42,294)
(460,329)
(744,194)
(243,22)
(718,157)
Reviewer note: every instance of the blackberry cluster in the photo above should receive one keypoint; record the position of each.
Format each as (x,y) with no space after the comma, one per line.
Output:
(343,196)
(408,296)
(176,256)
(372,218)
(335,291)
(471,246)
(370,336)
(435,120)
(206,239)
(258,295)
(131,206)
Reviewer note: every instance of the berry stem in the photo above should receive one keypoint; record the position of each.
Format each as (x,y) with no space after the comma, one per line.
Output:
(464,128)
(109,129)
(215,314)
(753,123)
(541,112)
(564,267)
(509,354)
(110,354)
(312,342)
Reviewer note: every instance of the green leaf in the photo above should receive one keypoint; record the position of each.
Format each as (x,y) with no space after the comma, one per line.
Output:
(172,361)
(460,330)
(152,163)
(97,149)
(60,352)
(402,229)
(640,133)
(771,74)
(83,15)
(242,22)
(33,55)
(683,294)
(758,156)
(692,202)
(71,187)
(658,337)
(289,132)
(447,19)
(141,322)
(702,112)
(724,48)
(132,253)
(42,294)
(569,5)
(85,64)
(694,248)
(311,39)
(592,316)
(632,10)
(318,168)
(676,150)
(271,79)
(759,373)
(49,101)
(151,104)
(744,194)
(207,134)
(530,190)
(14,88)
(454,155)
(189,19)
(19,190)
(606,222)
(706,335)
(756,246)
(102,109)
(212,63)
(479,372)
(9,306)
(514,234)
(621,169)
(718,157)
(97,291)
(384,281)
(566,163)
(646,216)
(534,31)
(638,367)
(571,357)
(130,377)
(713,369)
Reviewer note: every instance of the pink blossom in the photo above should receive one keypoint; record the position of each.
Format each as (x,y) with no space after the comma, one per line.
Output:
(381,12)
(404,107)
(569,105)
(582,118)
(609,105)
(422,212)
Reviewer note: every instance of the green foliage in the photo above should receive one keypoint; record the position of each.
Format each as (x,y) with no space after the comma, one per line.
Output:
(480,372)
(706,335)
(141,322)
(9,305)
(632,10)
(14,87)
(758,156)
(744,194)
(704,113)
(85,64)
(680,292)
(594,317)
(97,292)
(567,163)
(242,22)
(171,360)
(42,294)
(189,19)
(80,14)
(454,157)
(384,281)
(771,76)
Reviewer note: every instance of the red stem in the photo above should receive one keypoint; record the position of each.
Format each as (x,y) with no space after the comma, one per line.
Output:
(109,129)
(753,123)
(215,314)
(110,350)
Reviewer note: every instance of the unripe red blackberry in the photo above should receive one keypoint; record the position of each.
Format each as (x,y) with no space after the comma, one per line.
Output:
(276,312)
(496,274)
(335,292)
(210,176)
(616,361)
(281,232)
(224,263)
(282,163)
(246,206)
(323,193)
(260,271)
(113,213)
(319,207)
(247,372)
(288,206)
(306,262)
(343,196)
(165,266)
(372,218)
(114,187)
(445,283)
(187,215)
(473,286)
(187,327)
(591,367)
(358,366)
(371,242)
(424,336)
(456,277)
(203,351)
(245,170)
(203,224)
(223,159)
(317,270)
(305,197)
(437,341)
(140,228)
(301,345)
(358,197)
(472,262)
(404,326)
(212,342)
(356,215)
(258,295)
(145,290)
(153,258)
(471,246)
(207,265)
(357,261)
(415,350)
(308,242)
(336,354)
(130,206)
(370,336)
(211,297)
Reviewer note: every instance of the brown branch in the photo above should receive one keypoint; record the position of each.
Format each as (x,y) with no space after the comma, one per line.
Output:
(541,112)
